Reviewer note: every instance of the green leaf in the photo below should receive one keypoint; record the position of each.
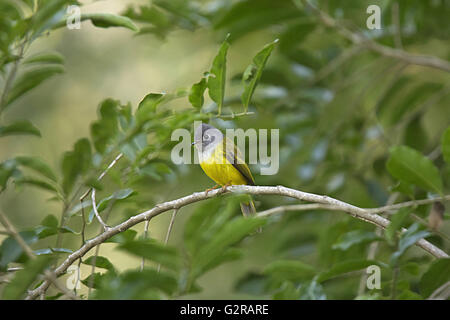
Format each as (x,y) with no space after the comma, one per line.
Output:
(407,239)
(410,166)
(355,237)
(99,262)
(446,145)
(106,20)
(23,279)
(152,250)
(196,94)
(403,187)
(287,291)
(252,283)
(230,254)
(295,35)
(248,15)
(37,165)
(52,251)
(50,221)
(147,107)
(415,135)
(145,284)
(19,128)
(290,270)
(253,73)
(233,232)
(49,227)
(45,57)
(345,267)
(94,280)
(76,163)
(11,251)
(36,183)
(416,95)
(217,78)
(48,14)
(104,130)
(396,224)
(150,278)
(436,275)
(8,169)
(32,79)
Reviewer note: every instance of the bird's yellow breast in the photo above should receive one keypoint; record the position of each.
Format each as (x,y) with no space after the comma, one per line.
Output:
(219,169)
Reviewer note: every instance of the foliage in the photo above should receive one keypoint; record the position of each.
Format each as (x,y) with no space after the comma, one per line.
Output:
(354,125)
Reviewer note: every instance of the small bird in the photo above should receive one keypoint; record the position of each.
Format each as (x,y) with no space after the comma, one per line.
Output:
(222,161)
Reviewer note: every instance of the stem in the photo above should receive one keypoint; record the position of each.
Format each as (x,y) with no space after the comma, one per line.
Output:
(334,204)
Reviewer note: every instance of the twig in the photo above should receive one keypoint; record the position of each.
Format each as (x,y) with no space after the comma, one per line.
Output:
(441,293)
(145,237)
(11,77)
(234,115)
(359,213)
(294,207)
(373,248)
(411,203)
(94,207)
(83,240)
(97,251)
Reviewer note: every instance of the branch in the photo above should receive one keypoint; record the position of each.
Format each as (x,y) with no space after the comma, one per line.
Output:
(94,207)
(49,276)
(361,40)
(359,213)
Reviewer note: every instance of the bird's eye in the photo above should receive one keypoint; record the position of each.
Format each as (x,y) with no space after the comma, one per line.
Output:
(206,137)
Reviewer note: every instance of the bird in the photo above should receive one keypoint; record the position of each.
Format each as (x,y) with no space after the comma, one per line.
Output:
(222,161)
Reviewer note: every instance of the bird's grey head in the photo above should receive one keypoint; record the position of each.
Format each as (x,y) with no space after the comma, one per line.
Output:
(206,137)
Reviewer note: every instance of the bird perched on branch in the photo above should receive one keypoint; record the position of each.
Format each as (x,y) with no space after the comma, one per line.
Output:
(222,161)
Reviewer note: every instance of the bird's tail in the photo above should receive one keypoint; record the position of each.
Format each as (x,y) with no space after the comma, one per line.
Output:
(248,210)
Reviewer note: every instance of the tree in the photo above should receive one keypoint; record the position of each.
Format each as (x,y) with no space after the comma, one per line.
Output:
(364,155)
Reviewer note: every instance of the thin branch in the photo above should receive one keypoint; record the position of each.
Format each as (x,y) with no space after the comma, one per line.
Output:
(112,164)
(373,248)
(234,115)
(359,213)
(411,203)
(94,207)
(295,207)
(361,40)
(169,230)
(145,237)
(97,251)
(441,293)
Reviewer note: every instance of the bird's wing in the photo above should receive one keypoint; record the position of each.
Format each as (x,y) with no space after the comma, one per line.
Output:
(234,156)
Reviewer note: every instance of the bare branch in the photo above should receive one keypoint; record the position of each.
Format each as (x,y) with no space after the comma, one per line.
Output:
(94,207)
(359,213)
(169,230)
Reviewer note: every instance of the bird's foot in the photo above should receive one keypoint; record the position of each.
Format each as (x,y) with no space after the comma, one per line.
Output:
(210,189)
(224,187)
